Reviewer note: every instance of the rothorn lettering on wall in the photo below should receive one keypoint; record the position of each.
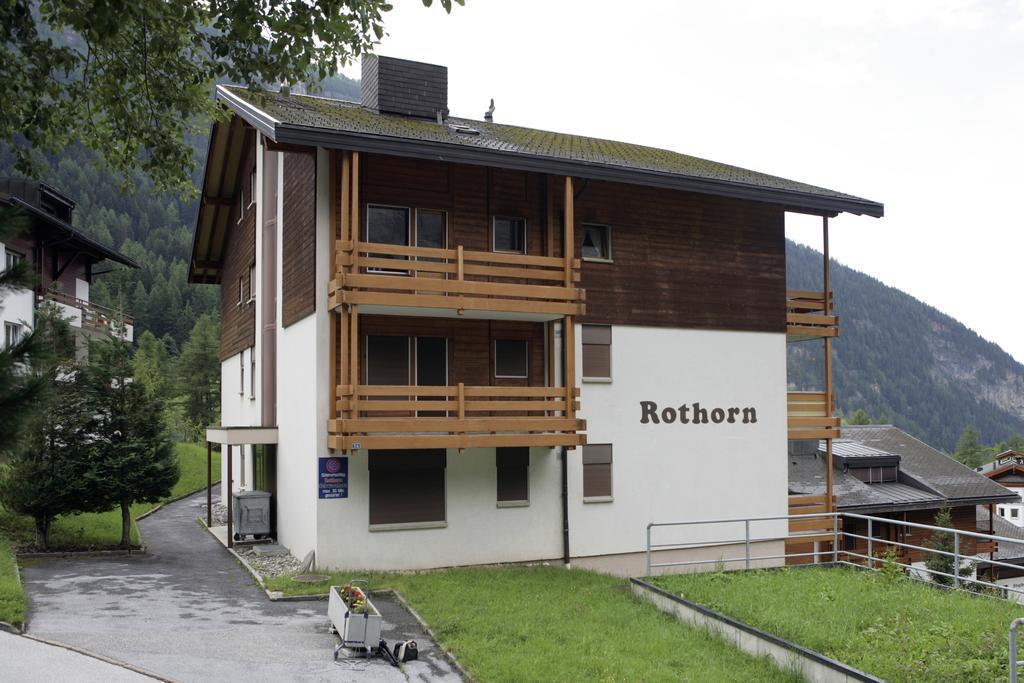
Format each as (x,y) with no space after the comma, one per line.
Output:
(694,413)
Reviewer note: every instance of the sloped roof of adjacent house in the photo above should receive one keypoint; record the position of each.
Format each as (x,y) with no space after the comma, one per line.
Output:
(1002,527)
(24,194)
(927,477)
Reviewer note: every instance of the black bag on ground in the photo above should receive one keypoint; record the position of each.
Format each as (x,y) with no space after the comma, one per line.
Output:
(406,651)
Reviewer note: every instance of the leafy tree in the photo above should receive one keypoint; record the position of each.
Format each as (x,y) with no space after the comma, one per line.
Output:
(133,461)
(859,417)
(943,541)
(132,79)
(968,450)
(199,373)
(49,473)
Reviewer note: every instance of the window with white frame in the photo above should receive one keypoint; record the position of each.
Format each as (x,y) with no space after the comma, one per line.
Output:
(241,290)
(12,258)
(252,373)
(12,334)
(241,373)
(252,186)
(252,283)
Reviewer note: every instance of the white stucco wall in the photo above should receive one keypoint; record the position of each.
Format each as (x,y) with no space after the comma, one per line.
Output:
(304,391)
(683,472)
(16,306)
(477,531)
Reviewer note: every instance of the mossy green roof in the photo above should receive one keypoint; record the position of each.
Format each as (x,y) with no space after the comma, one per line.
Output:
(340,116)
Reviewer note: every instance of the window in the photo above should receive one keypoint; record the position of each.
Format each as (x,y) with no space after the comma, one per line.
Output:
(387,360)
(431,229)
(511,359)
(241,204)
(12,258)
(431,369)
(252,186)
(597,473)
(1014,512)
(407,488)
(876,475)
(252,373)
(252,282)
(241,290)
(12,334)
(387,225)
(1002,512)
(513,468)
(509,235)
(597,243)
(241,373)
(597,352)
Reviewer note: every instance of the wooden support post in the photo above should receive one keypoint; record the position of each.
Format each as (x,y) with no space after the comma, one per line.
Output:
(568,241)
(462,401)
(209,485)
(230,500)
(461,267)
(353,359)
(829,401)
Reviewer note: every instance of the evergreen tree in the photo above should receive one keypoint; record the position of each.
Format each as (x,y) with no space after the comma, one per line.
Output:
(152,367)
(859,417)
(943,541)
(49,473)
(199,373)
(968,450)
(133,460)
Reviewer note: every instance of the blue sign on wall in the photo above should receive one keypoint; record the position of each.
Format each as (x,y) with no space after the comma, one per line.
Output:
(333,480)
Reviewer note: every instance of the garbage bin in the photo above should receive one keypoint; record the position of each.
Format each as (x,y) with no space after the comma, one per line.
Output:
(251,512)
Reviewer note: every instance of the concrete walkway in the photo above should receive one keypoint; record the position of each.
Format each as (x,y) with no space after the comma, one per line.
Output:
(24,659)
(189,611)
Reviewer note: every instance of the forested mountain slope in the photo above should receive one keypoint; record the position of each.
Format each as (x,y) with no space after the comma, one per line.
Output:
(905,362)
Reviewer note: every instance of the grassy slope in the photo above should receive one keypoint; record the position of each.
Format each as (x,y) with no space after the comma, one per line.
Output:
(897,629)
(549,624)
(100,529)
(93,530)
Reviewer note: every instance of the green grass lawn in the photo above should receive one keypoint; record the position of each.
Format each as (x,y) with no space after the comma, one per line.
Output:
(550,624)
(12,596)
(84,532)
(893,627)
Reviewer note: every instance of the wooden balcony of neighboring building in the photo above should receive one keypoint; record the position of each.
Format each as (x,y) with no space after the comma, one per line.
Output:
(389,279)
(810,416)
(376,417)
(89,316)
(809,315)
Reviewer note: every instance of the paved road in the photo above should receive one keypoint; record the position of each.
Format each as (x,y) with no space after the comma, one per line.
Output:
(187,610)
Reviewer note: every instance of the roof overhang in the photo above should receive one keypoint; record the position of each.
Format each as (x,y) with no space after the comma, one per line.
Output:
(70,236)
(924,504)
(241,436)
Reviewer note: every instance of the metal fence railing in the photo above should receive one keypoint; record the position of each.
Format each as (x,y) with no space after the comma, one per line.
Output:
(742,543)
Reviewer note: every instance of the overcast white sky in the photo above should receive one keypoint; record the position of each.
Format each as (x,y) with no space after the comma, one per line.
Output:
(915,103)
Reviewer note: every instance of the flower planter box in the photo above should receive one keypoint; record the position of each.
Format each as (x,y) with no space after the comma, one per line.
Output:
(356,629)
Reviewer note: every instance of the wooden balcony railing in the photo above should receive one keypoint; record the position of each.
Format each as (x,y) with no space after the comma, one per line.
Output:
(809,315)
(396,417)
(456,279)
(810,416)
(93,316)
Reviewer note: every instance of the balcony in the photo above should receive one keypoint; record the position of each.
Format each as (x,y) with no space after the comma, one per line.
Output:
(459,416)
(90,317)
(809,315)
(810,416)
(387,279)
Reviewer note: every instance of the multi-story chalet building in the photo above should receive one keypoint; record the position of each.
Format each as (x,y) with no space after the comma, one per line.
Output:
(450,342)
(63,260)
(1008,470)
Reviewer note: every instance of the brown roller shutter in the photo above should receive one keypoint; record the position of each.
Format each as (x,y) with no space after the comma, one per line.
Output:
(597,471)
(407,486)
(513,474)
(597,351)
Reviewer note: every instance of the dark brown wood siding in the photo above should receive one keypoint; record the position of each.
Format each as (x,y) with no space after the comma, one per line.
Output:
(238,321)
(298,247)
(684,260)
(680,259)
(470,345)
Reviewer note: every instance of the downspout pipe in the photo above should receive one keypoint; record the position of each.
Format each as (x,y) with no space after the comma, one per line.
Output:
(565,487)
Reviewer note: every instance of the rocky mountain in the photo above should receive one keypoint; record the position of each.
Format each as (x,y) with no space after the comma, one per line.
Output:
(905,362)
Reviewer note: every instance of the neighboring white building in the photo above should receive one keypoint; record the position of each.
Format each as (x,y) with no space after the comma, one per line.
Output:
(421,373)
(62,259)
(1008,470)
